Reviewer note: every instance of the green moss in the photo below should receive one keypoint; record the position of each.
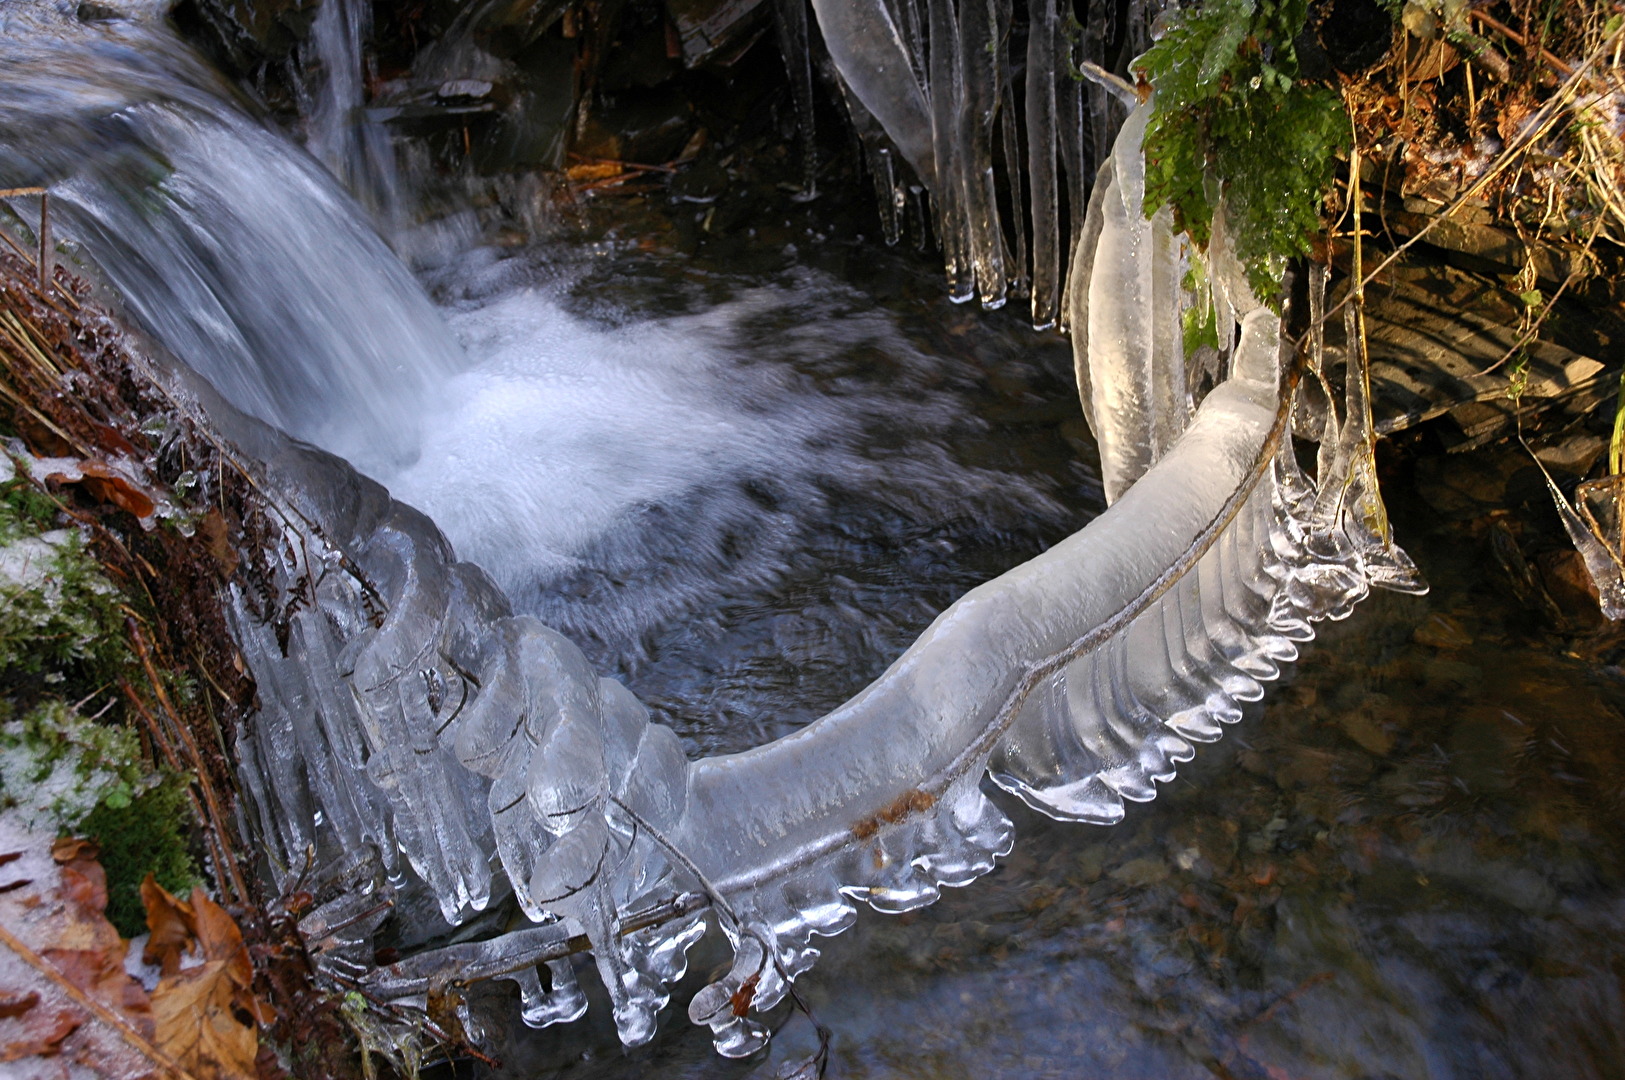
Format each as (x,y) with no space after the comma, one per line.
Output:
(146,836)
(61,640)
(60,619)
(1232,115)
(62,770)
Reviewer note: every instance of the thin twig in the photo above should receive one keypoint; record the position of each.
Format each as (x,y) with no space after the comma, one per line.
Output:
(1550,305)
(217,817)
(107,1016)
(1533,132)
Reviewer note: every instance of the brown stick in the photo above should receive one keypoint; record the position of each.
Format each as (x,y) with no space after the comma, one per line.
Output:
(44,241)
(1501,28)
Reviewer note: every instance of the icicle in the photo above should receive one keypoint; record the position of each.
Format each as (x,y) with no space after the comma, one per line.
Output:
(1041,74)
(870,54)
(981,42)
(1363,513)
(953,229)
(1603,565)
(1126,328)
(879,152)
(1081,164)
(911,25)
(791,23)
(1014,167)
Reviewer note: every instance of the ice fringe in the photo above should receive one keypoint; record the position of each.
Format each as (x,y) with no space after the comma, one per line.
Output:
(398,692)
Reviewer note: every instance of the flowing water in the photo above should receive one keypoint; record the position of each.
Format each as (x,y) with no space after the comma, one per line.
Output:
(744,491)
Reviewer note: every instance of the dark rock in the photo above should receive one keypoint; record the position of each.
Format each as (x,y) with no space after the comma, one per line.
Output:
(647,127)
(711,30)
(246,34)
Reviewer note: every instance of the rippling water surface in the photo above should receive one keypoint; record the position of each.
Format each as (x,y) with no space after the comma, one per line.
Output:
(1405,863)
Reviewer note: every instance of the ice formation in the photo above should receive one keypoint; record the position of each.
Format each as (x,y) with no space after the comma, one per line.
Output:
(424,753)
(933,81)
(399,694)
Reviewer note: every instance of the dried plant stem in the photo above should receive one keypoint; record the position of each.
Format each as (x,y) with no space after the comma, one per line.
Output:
(1547,117)
(216,814)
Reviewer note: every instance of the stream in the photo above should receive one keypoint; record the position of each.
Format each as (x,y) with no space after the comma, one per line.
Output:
(1404,863)
(744,477)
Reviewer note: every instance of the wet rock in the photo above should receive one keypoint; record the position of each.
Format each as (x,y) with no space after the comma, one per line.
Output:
(1091,861)
(1266,838)
(1141,872)
(1483,749)
(1444,675)
(1304,767)
(716,30)
(644,127)
(1440,631)
(1461,488)
(1575,454)
(534,126)
(246,34)
(702,182)
(1570,586)
(1368,727)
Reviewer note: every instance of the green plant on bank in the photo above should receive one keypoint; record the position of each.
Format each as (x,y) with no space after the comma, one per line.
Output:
(62,641)
(1232,116)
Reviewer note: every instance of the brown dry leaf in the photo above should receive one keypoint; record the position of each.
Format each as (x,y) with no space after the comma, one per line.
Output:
(107,485)
(64,993)
(170,924)
(40,1033)
(217,535)
(87,949)
(16,1002)
(196,1025)
(206,1015)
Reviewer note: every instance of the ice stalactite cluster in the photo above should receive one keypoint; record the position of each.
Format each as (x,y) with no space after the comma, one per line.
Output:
(408,714)
(1007,169)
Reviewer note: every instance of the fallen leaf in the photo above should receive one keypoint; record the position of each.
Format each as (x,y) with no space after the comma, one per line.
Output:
(67,997)
(196,1025)
(107,485)
(42,1034)
(170,924)
(206,1014)
(217,536)
(14,1003)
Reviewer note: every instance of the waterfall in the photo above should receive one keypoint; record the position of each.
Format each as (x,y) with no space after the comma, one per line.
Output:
(357,150)
(238,253)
